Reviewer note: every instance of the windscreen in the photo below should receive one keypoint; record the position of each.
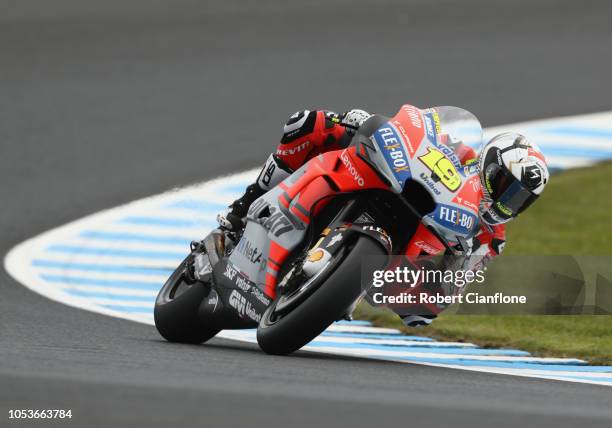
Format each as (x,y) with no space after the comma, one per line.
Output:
(455,125)
(393,153)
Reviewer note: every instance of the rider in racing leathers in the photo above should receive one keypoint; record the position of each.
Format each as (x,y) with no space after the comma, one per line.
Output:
(513,173)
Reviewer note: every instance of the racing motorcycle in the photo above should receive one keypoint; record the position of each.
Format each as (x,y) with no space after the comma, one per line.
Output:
(399,188)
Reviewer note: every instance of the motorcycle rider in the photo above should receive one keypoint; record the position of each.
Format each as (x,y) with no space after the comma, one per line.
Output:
(512,171)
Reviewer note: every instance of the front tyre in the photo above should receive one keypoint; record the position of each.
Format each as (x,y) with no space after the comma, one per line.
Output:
(284,334)
(176,310)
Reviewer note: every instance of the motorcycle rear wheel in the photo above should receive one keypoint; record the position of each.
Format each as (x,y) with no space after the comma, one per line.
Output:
(176,310)
(283,334)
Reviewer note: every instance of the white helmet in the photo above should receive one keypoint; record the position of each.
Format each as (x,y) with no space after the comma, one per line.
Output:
(513,172)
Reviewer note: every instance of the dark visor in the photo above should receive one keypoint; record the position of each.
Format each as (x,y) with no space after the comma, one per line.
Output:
(508,191)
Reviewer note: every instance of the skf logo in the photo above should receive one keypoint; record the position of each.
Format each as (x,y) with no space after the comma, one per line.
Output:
(230,272)
(351,169)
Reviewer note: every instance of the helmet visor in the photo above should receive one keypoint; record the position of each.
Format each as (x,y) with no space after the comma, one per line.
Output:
(510,196)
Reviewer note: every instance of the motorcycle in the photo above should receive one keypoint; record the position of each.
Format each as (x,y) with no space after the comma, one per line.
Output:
(399,188)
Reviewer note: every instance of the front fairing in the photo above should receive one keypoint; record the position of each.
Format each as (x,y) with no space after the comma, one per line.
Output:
(426,146)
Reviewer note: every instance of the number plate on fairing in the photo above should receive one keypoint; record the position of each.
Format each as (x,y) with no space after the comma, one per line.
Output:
(421,145)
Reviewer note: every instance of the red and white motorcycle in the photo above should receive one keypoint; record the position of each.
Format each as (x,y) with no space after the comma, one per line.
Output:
(399,188)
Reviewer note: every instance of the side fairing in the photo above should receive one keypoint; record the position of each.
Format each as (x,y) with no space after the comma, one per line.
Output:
(272,231)
(410,146)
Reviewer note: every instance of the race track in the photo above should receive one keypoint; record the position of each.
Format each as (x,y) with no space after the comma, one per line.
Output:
(102,103)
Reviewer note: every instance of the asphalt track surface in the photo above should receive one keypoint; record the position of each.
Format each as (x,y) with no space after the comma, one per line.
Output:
(108,101)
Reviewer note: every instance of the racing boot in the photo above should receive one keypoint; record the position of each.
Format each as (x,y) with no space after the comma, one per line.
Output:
(232,219)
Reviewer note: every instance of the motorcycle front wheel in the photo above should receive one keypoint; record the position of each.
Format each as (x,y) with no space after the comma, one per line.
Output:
(284,333)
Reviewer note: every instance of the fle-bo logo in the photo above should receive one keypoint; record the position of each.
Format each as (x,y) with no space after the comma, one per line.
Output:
(455,218)
(394,149)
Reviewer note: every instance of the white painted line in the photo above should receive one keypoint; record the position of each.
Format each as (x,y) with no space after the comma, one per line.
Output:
(110,276)
(361,329)
(111,260)
(110,245)
(111,290)
(394,342)
(364,352)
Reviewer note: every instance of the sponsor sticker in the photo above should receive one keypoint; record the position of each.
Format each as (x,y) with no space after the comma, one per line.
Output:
(430,126)
(455,219)
(428,248)
(276,222)
(334,240)
(248,250)
(430,183)
(466,202)
(413,115)
(315,255)
(243,306)
(351,169)
(393,150)
(442,168)
(297,149)
(381,234)
(407,140)
(230,272)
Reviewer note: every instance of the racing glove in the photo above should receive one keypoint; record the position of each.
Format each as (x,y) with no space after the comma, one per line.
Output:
(354,118)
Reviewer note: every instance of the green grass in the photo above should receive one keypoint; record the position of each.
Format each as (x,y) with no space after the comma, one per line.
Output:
(573,217)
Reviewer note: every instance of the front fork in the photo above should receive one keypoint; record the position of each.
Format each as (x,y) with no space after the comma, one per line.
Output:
(349,222)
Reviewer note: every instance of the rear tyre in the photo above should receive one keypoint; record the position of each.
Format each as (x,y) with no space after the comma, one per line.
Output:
(176,310)
(284,334)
